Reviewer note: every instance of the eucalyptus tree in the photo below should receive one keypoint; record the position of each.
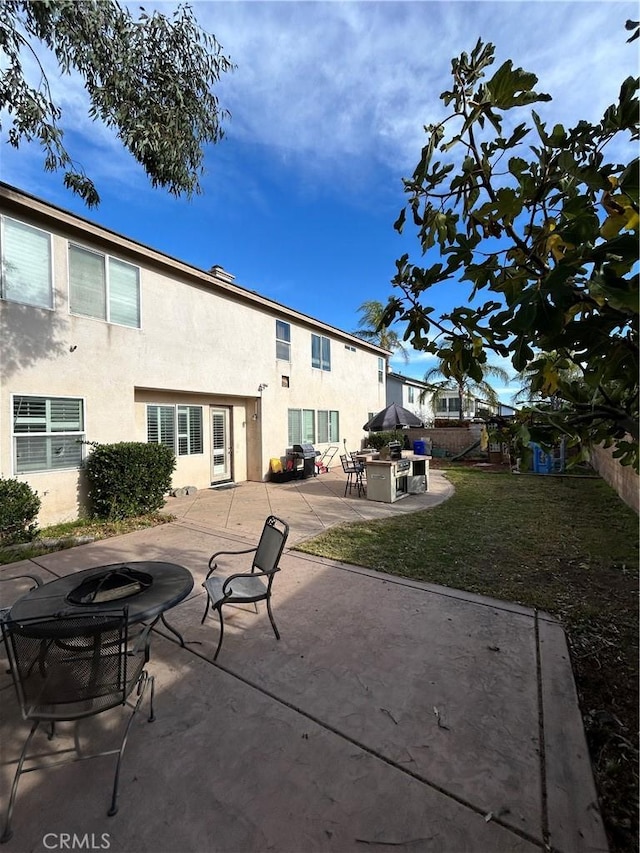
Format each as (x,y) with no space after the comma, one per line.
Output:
(547,230)
(150,78)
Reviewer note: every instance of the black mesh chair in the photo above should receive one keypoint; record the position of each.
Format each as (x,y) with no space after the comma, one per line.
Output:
(355,472)
(16,586)
(66,668)
(252,586)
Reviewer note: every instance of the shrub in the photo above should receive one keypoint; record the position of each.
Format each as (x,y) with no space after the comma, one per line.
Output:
(379,439)
(19,506)
(128,478)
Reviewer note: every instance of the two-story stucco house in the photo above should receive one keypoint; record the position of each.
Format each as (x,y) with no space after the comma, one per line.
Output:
(103,339)
(412,394)
(415,396)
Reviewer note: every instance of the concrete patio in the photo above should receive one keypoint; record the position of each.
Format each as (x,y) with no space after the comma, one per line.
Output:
(391,715)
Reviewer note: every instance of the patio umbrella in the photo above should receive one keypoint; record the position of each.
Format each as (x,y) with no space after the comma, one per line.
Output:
(393,417)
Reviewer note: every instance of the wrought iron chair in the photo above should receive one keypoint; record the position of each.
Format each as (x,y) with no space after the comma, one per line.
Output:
(354,471)
(66,668)
(5,604)
(248,587)
(6,601)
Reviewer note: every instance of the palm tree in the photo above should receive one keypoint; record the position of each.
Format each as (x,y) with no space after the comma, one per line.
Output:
(372,329)
(464,385)
(542,385)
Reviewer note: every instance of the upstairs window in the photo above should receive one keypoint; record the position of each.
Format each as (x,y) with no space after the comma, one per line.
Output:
(411,394)
(283,341)
(103,287)
(26,264)
(320,352)
(381,370)
(47,433)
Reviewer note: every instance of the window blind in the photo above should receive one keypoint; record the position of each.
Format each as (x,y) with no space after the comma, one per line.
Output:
(87,284)
(26,264)
(124,294)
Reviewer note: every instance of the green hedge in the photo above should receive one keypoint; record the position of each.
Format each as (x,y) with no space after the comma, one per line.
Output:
(19,506)
(380,439)
(129,478)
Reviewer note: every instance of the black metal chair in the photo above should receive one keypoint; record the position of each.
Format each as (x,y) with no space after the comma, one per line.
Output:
(7,600)
(355,472)
(66,668)
(248,587)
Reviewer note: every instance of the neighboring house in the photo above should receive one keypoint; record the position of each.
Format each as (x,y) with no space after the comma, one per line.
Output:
(103,339)
(406,392)
(414,395)
(448,406)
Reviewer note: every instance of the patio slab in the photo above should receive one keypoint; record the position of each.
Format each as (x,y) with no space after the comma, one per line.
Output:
(392,713)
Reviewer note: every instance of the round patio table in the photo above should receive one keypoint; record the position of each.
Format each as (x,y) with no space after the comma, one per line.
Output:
(148,589)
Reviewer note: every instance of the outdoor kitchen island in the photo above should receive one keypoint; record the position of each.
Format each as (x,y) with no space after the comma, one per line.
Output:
(389,480)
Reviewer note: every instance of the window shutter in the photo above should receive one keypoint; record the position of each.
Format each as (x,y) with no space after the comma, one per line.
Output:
(26,264)
(183,431)
(48,433)
(195,430)
(161,425)
(65,415)
(87,294)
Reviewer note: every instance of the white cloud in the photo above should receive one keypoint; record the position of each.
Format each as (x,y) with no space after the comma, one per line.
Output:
(334,90)
(360,79)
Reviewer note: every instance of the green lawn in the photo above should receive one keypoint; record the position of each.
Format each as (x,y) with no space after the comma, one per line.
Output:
(562,544)
(61,536)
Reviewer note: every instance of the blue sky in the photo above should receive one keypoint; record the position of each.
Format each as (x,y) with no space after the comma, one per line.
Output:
(328,104)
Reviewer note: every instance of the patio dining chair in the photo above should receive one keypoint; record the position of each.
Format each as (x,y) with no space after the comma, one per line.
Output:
(355,473)
(16,588)
(66,668)
(252,586)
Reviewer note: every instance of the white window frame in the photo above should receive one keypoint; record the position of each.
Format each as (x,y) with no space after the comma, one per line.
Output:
(328,426)
(183,442)
(107,261)
(321,361)
(283,342)
(56,441)
(380,370)
(301,426)
(191,438)
(411,394)
(4,271)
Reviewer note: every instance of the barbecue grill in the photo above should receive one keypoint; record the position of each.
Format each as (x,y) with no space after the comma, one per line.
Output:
(303,459)
(395,450)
